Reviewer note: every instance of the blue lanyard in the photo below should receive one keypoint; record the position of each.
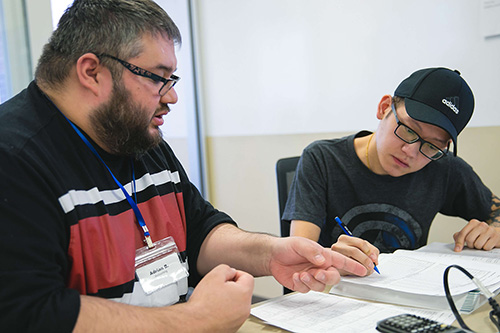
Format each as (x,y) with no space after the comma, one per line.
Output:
(132,203)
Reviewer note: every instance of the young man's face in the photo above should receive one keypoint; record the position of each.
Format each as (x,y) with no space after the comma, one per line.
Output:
(128,123)
(398,158)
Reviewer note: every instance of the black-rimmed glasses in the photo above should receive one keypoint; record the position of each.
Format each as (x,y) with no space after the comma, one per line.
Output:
(410,136)
(167,83)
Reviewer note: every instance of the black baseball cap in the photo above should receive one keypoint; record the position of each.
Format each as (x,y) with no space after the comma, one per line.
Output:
(438,96)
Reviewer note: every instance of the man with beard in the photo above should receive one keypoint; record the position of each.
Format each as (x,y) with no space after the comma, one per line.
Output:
(88,188)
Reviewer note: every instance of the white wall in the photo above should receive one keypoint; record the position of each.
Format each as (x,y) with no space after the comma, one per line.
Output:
(297,66)
(39,18)
(17,57)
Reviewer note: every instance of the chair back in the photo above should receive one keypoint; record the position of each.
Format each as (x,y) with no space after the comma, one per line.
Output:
(285,171)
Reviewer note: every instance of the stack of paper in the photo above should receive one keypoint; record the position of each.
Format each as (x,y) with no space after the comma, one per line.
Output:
(415,278)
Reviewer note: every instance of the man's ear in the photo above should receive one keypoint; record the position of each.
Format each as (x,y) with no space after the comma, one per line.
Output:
(384,106)
(89,72)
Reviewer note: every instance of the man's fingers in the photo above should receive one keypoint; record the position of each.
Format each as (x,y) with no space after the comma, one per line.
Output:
(459,241)
(316,280)
(475,234)
(311,251)
(342,262)
(320,256)
(229,273)
(460,237)
(357,249)
(244,278)
(233,275)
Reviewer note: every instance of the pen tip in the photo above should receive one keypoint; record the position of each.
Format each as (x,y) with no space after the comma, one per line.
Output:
(376,269)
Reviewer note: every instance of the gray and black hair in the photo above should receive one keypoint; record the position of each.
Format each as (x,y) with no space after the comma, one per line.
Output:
(397,100)
(114,27)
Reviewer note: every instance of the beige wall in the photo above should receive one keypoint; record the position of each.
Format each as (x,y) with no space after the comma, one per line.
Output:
(242,179)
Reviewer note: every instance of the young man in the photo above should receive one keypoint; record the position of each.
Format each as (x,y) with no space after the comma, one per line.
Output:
(89,190)
(388,186)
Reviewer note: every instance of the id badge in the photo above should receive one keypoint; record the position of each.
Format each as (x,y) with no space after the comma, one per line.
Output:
(160,266)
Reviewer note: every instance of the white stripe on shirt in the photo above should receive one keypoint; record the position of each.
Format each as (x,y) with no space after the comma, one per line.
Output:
(75,198)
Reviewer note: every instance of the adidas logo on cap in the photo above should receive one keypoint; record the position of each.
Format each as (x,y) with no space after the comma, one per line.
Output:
(451,102)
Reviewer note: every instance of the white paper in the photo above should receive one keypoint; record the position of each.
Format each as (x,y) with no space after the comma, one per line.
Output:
(422,273)
(320,312)
(415,278)
(446,249)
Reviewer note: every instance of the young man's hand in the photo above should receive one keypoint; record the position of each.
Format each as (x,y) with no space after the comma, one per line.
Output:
(358,249)
(477,235)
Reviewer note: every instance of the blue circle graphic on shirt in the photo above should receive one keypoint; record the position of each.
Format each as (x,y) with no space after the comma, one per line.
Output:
(385,226)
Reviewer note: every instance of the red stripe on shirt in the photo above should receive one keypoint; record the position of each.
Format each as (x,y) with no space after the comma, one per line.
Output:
(101,252)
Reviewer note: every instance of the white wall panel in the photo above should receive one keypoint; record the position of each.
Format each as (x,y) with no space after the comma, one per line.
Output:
(297,66)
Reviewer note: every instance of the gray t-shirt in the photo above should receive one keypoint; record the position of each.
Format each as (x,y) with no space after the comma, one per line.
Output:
(389,212)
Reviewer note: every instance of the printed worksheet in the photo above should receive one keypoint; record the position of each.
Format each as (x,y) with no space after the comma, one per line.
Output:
(320,312)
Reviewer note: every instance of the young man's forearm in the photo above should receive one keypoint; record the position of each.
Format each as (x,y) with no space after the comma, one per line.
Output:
(494,219)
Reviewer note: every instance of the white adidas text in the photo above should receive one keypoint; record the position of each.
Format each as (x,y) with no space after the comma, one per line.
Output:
(450,105)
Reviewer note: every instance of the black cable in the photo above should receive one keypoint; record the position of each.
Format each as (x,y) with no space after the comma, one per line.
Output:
(448,294)
(494,313)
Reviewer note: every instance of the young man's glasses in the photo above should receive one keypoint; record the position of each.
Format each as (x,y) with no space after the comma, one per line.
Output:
(410,136)
(167,83)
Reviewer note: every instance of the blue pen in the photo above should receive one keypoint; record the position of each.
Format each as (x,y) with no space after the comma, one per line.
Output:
(349,233)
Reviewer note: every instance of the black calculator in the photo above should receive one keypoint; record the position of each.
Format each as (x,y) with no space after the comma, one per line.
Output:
(404,323)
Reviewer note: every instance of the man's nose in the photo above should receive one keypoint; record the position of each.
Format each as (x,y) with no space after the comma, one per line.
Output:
(170,97)
(411,149)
